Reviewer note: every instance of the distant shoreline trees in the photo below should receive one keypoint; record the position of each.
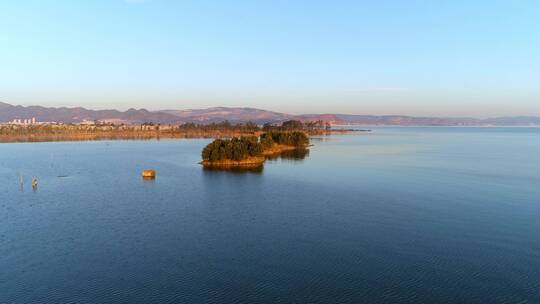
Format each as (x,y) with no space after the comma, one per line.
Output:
(286,126)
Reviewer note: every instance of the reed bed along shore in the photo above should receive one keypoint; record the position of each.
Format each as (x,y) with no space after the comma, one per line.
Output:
(49,133)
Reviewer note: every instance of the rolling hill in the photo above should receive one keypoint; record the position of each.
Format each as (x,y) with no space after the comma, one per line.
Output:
(238,114)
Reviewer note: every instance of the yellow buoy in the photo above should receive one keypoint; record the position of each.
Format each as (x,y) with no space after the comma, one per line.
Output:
(149,174)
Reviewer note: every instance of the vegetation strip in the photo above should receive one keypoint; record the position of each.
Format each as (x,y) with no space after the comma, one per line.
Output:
(100,131)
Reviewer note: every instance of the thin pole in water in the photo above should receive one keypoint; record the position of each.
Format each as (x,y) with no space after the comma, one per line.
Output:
(21,181)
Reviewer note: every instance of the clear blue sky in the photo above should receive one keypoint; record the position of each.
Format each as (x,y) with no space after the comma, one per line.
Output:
(444,58)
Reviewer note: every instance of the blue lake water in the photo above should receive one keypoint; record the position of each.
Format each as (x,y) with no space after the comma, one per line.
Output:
(401,215)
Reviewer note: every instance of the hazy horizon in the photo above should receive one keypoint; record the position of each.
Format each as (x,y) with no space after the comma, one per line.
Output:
(454,59)
(266,109)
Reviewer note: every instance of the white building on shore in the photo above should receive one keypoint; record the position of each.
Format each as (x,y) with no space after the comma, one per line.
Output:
(31,121)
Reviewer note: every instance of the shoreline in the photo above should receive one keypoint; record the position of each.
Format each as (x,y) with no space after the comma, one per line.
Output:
(277,149)
(227,163)
(115,135)
(64,136)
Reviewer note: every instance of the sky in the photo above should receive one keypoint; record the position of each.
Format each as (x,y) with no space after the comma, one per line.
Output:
(432,58)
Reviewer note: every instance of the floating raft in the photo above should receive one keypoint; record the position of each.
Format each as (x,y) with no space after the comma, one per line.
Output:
(149,174)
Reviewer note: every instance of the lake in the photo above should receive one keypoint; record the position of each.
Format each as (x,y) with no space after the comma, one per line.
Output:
(399,215)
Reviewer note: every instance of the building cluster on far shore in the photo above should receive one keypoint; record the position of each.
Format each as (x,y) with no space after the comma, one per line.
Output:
(31,121)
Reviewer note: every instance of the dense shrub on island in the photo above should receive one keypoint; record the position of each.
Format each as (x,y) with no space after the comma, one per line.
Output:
(235,149)
(252,147)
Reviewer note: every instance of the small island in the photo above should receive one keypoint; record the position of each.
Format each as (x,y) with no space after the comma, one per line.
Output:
(251,151)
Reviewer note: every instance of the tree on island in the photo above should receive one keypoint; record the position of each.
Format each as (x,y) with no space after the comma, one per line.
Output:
(267,141)
(296,138)
(292,125)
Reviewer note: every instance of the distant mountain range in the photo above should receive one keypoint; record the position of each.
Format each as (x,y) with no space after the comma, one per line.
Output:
(219,114)
(74,115)
(132,116)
